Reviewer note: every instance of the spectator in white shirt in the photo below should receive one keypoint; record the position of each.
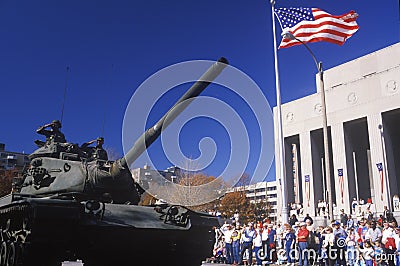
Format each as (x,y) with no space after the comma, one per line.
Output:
(228,230)
(248,235)
(257,242)
(374,233)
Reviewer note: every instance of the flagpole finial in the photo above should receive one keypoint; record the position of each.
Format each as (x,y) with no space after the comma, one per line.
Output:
(272,2)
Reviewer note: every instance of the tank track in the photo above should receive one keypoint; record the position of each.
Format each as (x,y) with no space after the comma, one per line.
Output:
(29,239)
(14,232)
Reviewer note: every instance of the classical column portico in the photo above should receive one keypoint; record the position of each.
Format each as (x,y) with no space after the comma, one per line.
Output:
(306,166)
(340,169)
(380,191)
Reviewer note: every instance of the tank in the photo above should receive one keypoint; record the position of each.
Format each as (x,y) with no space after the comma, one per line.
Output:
(70,205)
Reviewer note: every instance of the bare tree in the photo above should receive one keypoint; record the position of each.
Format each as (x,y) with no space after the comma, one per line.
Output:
(6,180)
(191,188)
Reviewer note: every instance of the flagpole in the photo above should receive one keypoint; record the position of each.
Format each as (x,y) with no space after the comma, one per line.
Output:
(386,174)
(289,35)
(281,151)
(325,133)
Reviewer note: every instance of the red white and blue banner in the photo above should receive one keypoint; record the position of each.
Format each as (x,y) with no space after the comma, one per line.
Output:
(295,173)
(314,25)
(308,190)
(341,183)
(380,169)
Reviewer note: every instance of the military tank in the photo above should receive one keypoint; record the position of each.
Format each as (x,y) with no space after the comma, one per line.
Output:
(69,206)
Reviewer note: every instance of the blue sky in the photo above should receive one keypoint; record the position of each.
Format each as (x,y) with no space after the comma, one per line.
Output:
(111,47)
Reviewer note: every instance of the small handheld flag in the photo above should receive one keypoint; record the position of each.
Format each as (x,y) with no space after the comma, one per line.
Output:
(314,25)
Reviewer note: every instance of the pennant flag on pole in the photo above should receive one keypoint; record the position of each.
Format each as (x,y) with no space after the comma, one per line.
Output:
(314,25)
(308,192)
(380,169)
(341,183)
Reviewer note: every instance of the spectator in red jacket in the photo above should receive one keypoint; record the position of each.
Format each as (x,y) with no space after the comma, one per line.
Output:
(302,236)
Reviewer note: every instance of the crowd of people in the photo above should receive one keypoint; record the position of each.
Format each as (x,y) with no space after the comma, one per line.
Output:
(358,241)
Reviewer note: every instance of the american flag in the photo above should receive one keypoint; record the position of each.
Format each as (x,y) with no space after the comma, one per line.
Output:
(307,183)
(341,183)
(380,169)
(314,25)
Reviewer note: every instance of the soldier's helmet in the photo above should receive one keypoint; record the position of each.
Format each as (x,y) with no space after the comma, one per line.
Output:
(56,123)
(101,139)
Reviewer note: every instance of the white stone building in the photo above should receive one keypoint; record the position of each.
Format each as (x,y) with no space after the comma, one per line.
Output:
(11,160)
(262,193)
(361,95)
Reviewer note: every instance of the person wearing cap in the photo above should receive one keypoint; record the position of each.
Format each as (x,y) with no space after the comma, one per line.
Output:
(340,236)
(302,236)
(97,152)
(52,135)
(279,235)
(290,238)
(257,243)
(328,246)
(265,243)
(319,237)
(389,242)
(248,235)
(228,230)
(337,229)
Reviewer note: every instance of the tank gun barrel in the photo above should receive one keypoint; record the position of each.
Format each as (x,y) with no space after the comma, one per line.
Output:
(151,134)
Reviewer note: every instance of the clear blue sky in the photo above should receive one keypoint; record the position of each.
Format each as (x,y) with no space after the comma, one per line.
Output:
(111,47)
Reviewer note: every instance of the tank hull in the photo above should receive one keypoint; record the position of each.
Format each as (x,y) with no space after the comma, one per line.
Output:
(39,231)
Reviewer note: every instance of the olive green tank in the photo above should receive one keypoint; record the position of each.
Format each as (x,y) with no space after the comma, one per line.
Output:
(71,205)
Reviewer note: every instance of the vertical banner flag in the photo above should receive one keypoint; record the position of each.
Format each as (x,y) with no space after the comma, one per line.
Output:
(314,25)
(380,169)
(295,173)
(307,183)
(341,183)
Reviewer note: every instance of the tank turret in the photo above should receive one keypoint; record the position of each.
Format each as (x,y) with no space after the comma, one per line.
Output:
(61,167)
(75,203)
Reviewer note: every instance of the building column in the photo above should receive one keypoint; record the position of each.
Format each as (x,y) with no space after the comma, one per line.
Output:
(339,163)
(306,170)
(380,191)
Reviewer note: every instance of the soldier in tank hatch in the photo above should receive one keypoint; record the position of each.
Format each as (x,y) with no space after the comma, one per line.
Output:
(97,152)
(52,135)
